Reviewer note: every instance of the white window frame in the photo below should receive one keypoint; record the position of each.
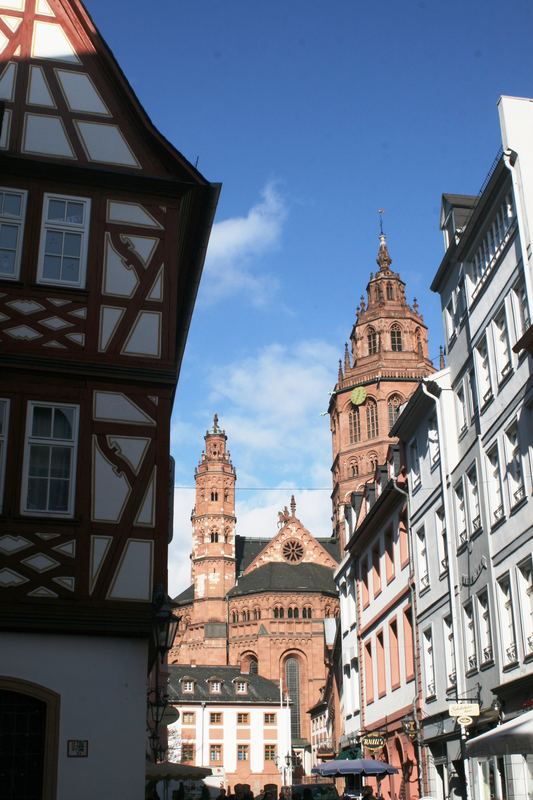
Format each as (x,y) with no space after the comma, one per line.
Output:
(414,464)
(449,651)
(30,440)
(483,371)
(525,595)
(502,344)
(187,686)
(442,540)
(423,562)
(514,469)
(507,620)
(484,620)
(4,427)
(433,441)
(65,227)
(462,412)
(471,657)
(494,485)
(472,493)
(460,513)
(19,223)
(520,306)
(429,662)
(241,687)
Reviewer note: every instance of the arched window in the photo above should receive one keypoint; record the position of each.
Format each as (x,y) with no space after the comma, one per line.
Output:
(390,293)
(234,616)
(245,615)
(396,338)
(253,666)
(296,613)
(418,338)
(278,612)
(353,468)
(214,497)
(394,402)
(292,682)
(354,424)
(372,339)
(372,427)
(289,612)
(214,536)
(372,462)
(257,613)
(307,612)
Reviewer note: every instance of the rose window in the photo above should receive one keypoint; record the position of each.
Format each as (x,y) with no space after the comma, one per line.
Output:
(293,550)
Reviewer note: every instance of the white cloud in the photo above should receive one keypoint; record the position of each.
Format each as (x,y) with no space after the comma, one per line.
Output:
(236,243)
(270,406)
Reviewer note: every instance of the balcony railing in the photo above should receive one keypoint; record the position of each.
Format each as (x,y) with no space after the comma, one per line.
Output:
(487,653)
(510,652)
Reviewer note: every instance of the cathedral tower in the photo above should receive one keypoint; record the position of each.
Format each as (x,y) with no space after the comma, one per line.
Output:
(387,358)
(213,541)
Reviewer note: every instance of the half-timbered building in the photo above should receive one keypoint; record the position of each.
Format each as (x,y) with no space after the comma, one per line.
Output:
(103,231)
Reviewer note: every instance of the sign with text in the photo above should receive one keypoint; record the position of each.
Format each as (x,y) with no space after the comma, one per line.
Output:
(464,710)
(372,742)
(77,748)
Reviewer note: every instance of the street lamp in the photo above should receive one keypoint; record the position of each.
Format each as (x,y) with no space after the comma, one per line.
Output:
(157,706)
(165,622)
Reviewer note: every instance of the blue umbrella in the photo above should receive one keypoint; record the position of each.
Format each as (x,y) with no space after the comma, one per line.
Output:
(355,766)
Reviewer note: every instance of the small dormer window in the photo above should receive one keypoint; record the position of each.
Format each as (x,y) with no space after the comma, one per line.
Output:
(241,687)
(215,687)
(187,686)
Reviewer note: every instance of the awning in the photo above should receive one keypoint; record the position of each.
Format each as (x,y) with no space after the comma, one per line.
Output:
(515,736)
(168,770)
(355,766)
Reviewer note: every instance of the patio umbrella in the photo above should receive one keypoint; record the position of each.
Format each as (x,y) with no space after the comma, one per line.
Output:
(355,766)
(168,771)
(513,737)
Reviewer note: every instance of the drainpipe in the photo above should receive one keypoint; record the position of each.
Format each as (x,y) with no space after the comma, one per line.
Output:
(202,737)
(510,158)
(460,684)
(422,778)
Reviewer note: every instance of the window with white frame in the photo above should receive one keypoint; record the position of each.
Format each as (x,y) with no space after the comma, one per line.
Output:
(485,630)
(460,516)
(461,408)
(422,554)
(50,459)
(64,240)
(449,320)
(449,652)
(493,242)
(472,400)
(507,625)
(414,463)
(515,475)
(187,687)
(12,210)
(525,591)
(460,303)
(442,542)
(4,412)
(482,365)
(470,637)
(433,440)
(502,345)
(241,687)
(215,687)
(520,308)
(494,485)
(429,664)
(473,499)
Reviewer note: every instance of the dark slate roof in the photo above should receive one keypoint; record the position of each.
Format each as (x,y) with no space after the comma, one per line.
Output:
(246,549)
(185,597)
(332,547)
(260,690)
(283,577)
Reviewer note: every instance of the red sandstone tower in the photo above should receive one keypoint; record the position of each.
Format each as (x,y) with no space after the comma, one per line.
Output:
(389,356)
(213,544)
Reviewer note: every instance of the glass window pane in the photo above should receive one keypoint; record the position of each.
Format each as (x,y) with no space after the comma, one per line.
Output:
(56,210)
(8,236)
(60,462)
(70,269)
(58,496)
(63,418)
(12,205)
(7,262)
(39,461)
(42,422)
(72,245)
(37,488)
(54,243)
(75,213)
(52,267)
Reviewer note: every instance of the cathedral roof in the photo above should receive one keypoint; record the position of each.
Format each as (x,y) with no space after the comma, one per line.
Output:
(259,689)
(248,548)
(283,577)
(185,597)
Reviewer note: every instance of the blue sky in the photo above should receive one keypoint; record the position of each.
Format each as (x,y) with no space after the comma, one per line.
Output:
(312,115)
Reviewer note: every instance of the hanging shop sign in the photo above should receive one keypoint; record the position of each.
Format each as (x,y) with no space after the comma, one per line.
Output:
(464,710)
(373,742)
(465,720)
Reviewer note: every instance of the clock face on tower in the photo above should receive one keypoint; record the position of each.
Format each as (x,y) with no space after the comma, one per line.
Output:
(358,396)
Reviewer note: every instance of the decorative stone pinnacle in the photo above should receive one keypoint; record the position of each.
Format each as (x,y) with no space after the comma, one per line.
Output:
(441,358)
(293,506)
(383,260)
(215,424)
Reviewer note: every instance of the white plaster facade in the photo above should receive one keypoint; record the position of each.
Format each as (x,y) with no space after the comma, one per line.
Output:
(102,686)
